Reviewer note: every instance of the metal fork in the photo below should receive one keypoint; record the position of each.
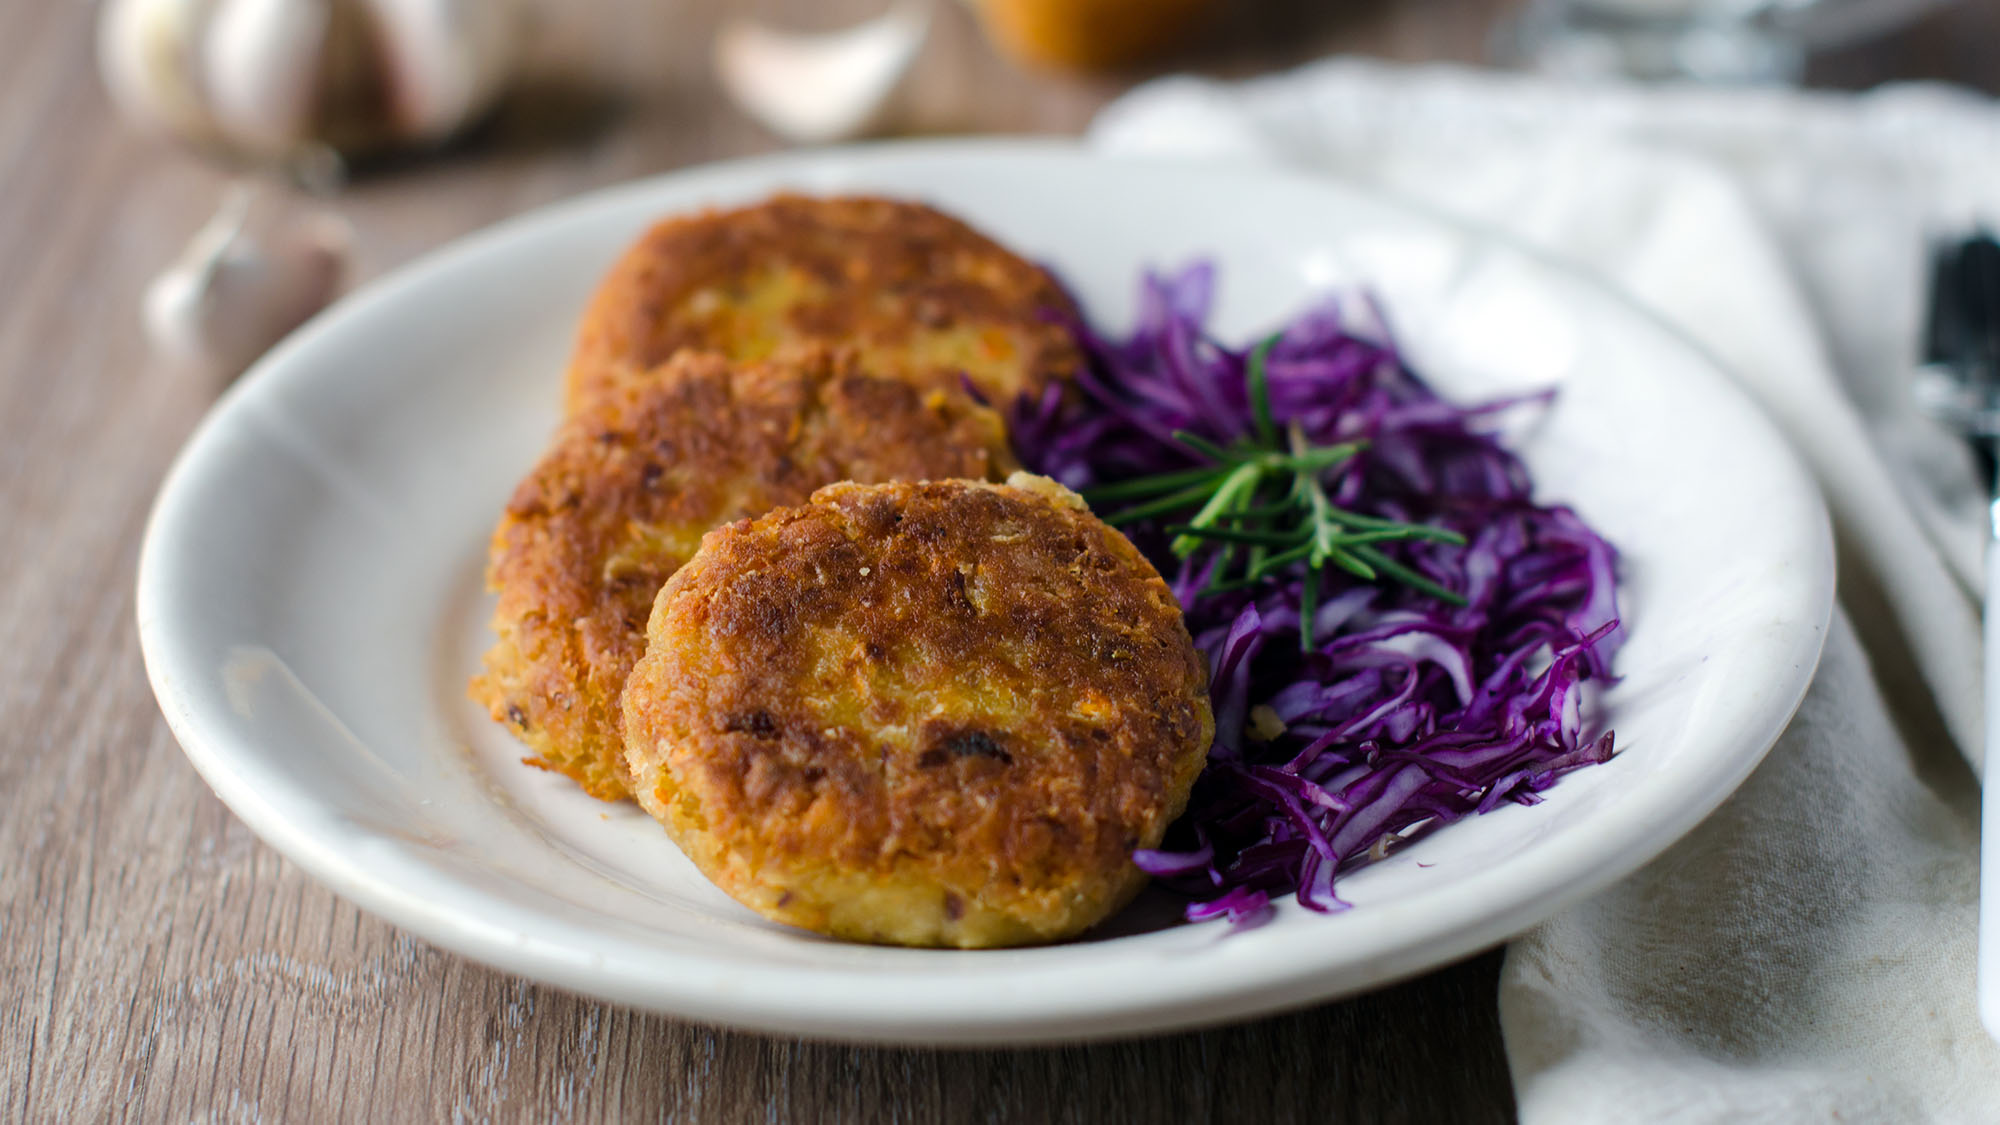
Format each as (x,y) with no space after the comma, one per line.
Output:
(1959,384)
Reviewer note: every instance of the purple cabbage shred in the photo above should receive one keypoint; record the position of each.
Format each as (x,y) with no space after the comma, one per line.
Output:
(1408,712)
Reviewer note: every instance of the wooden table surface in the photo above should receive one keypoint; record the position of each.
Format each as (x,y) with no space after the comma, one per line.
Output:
(158,962)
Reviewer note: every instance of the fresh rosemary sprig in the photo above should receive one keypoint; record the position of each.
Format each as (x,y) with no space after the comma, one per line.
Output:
(1264,496)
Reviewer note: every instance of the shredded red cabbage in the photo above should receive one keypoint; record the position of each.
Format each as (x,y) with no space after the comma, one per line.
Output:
(1408,712)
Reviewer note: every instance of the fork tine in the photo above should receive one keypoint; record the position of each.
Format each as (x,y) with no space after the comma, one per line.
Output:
(1979,290)
(1962,327)
(1941,319)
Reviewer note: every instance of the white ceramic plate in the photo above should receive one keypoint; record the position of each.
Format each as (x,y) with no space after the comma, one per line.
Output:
(310,603)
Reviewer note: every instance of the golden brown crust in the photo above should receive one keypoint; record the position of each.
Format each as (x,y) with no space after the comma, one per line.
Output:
(629,486)
(920,294)
(931,714)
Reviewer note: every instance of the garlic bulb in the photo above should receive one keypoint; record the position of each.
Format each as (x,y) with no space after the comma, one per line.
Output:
(278,81)
(813,88)
(244,281)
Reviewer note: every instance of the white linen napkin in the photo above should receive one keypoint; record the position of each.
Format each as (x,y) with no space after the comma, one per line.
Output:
(1807,953)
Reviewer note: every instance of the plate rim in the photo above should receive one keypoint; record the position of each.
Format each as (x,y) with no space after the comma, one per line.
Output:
(219,755)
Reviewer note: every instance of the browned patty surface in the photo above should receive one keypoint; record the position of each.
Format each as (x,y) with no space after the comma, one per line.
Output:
(930,714)
(627,489)
(916,292)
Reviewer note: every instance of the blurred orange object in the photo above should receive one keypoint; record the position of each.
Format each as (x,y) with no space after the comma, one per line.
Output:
(1087,34)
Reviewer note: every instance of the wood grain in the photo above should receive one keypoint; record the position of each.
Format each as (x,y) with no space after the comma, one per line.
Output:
(158,963)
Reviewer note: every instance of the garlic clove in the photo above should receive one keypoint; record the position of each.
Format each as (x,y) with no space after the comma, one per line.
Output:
(239,288)
(814,88)
(445,60)
(149,54)
(261,60)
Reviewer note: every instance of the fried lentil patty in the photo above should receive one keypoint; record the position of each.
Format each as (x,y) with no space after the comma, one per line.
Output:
(919,293)
(629,486)
(925,714)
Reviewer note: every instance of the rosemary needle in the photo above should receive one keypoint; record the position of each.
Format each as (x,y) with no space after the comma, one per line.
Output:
(1150,486)
(1266,492)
